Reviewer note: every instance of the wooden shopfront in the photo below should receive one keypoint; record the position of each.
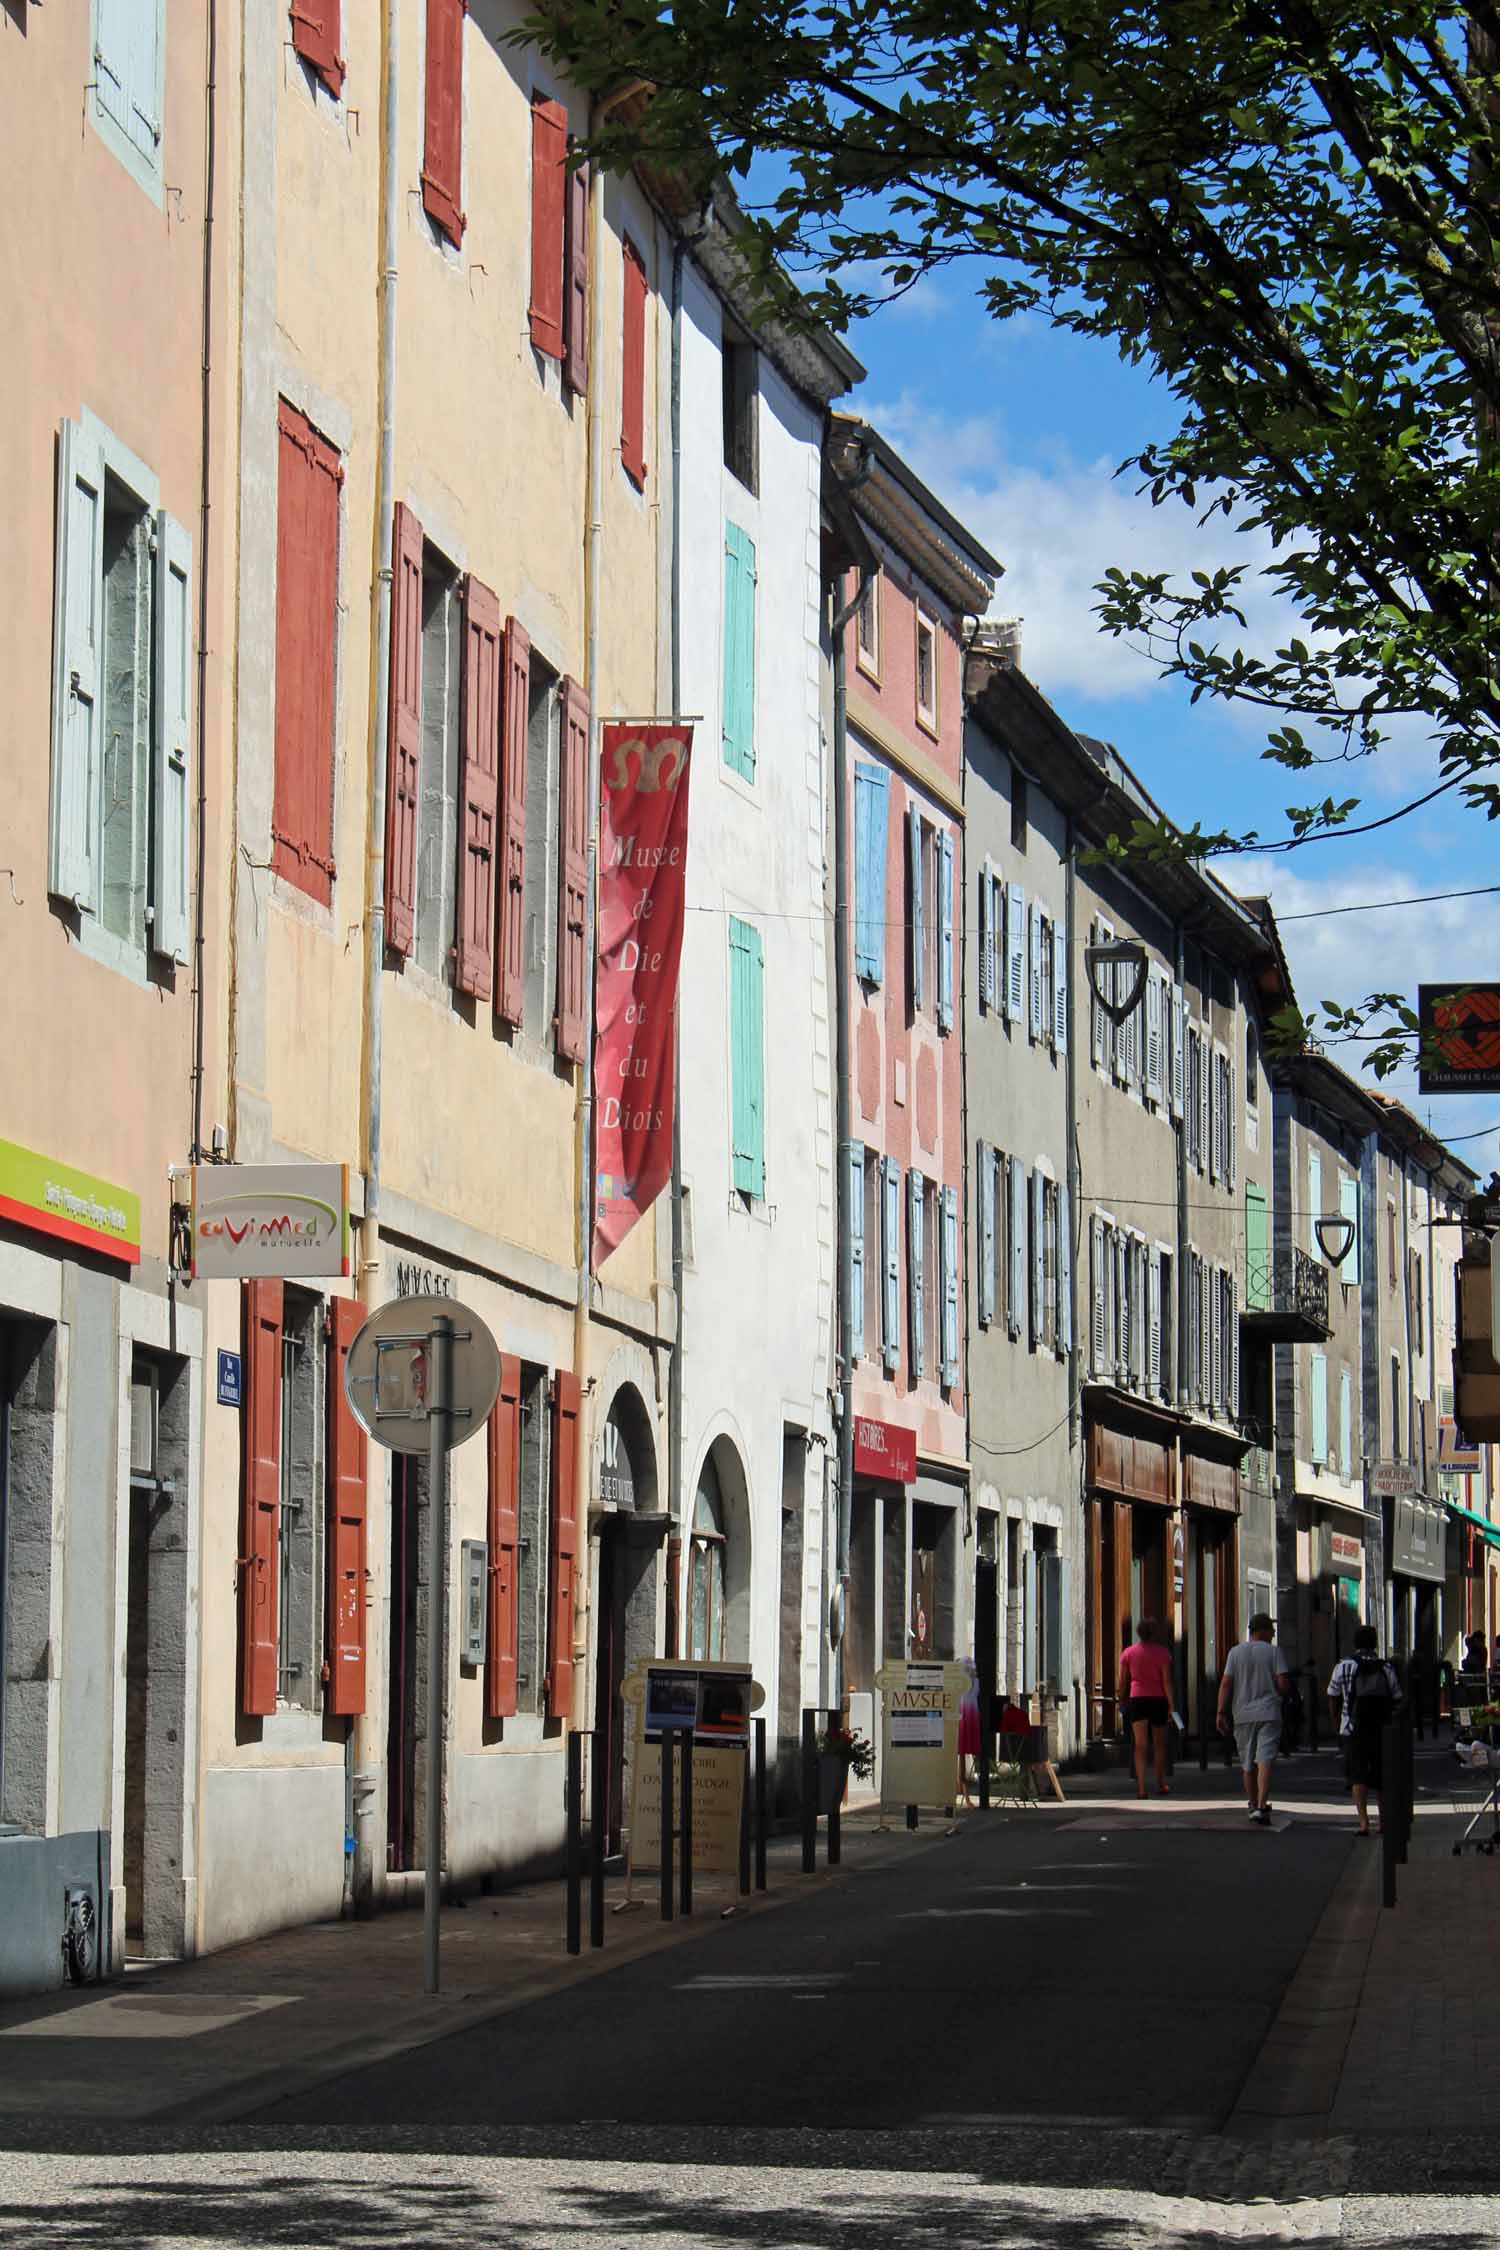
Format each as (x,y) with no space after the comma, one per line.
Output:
(1210,1621)
(1131,1516)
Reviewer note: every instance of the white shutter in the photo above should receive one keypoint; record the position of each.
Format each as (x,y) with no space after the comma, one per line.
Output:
(1231,1128)
(1179,1045)
(77,666)
(1122,1307)
(890,1300)
(1314,1199)
(915,1294)
(985,1290)
(856,1192)
(986,942)
(1015,951)
(1017,1297)
(172,725)
(1154,992)
(1038,1253)
(945,931)
(1153,1314)
(1232,1315)
(1096,1286)
(1064,1269)
(1215,1115)
(948,1244)
(1096,1013)
(1060,987)
(1216,1349)
(1028,1621)
(1204,1057)
(1034,1016)
(1205,1326)
(918,926)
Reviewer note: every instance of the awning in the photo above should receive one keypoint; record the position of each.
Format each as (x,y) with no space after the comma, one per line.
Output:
(1481,1523)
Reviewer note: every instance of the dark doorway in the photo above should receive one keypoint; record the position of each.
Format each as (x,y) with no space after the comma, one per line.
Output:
(987,1608)
(609,1717)
(401,1698)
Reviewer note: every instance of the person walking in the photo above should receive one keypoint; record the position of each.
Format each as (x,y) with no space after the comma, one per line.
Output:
(1364,1692)
(1476,1656)
(1255,1678)
(1146,1700)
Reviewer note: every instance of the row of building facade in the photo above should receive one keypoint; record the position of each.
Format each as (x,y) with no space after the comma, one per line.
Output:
(375,454)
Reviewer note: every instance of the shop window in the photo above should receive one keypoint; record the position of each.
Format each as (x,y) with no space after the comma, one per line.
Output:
(706,1570)
(532,1535)
(300,1576)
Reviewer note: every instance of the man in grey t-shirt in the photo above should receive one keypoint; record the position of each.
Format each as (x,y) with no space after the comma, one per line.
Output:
(1254,1680)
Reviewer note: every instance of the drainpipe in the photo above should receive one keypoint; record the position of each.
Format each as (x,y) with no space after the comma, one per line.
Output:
(845,1494)
(1074,1172)
(210,167)
(364,1750)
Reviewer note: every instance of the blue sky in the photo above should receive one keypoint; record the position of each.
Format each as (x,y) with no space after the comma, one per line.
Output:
(1019,429)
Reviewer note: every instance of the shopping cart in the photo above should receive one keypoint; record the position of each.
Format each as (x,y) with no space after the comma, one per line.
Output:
(1476,1784)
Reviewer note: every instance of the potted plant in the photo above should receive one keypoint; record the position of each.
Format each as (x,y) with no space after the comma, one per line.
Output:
(841,1751)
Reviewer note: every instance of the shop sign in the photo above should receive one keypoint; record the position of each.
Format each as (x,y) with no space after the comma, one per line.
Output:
(1454,1451)
(616,1469)
(1417,1549)
(57,1199)
(1392,1480)
(280,1221)
(919,1706)
(414,1280)
(1344,1553)
(884,1450)
(1459,1042)
(716,1700)
(231,1379)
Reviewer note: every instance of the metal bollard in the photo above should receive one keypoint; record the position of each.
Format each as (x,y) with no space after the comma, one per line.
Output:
(745,1827)
(685,1899)
(835,1814)
(575,1841)
(1390,1811)
(760,1804)
(809,1791)
(668,1760)
(598,1831)
(1408,1782)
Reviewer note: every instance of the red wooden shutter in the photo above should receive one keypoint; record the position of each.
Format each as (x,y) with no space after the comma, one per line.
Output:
(549,155)
(504,1536)
(260,1493)
(347,1510)
(315,35)
(564,1543)
(404,761)
(510,931)
(573,873)
(633,367)
(443,147)
(308,477)
(481,790)
(576,283)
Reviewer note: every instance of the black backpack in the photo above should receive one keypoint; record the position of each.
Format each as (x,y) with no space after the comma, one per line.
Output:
(1370,1694)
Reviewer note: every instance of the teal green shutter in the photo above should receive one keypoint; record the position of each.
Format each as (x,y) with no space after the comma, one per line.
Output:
(1346,1423)
(1349,1207)
(747,1056)
(1318,1370)
(869,872)
(1257,1251)
(739,652)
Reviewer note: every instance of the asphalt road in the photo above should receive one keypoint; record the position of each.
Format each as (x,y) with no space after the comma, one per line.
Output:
(1081,1974)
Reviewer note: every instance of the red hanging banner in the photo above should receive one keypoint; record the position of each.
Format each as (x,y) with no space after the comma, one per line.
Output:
(642,860)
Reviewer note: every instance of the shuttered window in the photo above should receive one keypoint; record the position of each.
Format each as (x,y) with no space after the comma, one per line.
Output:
(1349,1271)
(916,950)
(573,874)
(1060,987)
(307,558)
(984,1174)
(1346,1423)
(127,82)
(945,930)
(854,1190)
(510,927)
(1016,1241)
(479,801)
(949,1277)
(890,1254)
(738,691)
(347,1512)
(403,778)
(576,282)
(1317,1369)
(549,193)
(1015,952)
(916,1275)
(747,1056)
(315,36)
(1034,1022)
(503,1535)
(870,807)
(986,938)
(562,1576)
(633,366)
(1177,1021)
(443,119)
(261,1308)
(1314,1199)
(1064,1270)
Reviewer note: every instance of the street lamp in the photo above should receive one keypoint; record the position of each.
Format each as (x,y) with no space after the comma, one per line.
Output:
(1335,1233)
(1105,963)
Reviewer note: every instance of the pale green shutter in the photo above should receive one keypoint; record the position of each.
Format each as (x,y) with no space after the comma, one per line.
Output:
(1349,1206)
(169,750)
(1346,1423)
(739,652)
(747,1056)
(1314,1199)
(1257,1250)
(77,684)
(1318,1371)
(869,872)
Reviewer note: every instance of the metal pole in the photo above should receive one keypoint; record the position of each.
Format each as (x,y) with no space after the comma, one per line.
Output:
(835,1813)
(685,1898)
(598,1824)
(809,1791)
(745,1826)
(440,1376)
(575,1841)
(1390,1812)
(760,1804)
(668,1755)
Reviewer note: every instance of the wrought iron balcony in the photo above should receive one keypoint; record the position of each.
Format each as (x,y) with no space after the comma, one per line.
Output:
(1286,1298)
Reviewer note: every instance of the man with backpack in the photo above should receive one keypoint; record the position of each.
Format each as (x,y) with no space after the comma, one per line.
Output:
(1364,1693)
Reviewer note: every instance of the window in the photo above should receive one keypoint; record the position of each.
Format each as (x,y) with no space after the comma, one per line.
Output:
(870,800)
(1417,1321)
(437,808)
(918,1294)
(1166,1327)
(1398,1446)
(706,1570)
(126,84)
(868,1189)
(1016,1244)
(932,1276)
(549,201)
(926,670)
(867,628)
(1049,1324)
(443,119)
(1318,1369)
(1349,1271)
(890,1263)
(633,366)
(307,541)
(1252,1063)
(738,691)
(1019,791)
(122,700)
(929,891)
(1346,1424)
(747,1056)
(741,393)
(1393,1257)
(315,36)
(533,1487)
(988,1229)
(300,1529)
(539,978)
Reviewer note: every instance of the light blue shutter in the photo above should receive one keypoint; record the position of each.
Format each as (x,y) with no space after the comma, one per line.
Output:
(739,652)
(950,1288)
(747,1055)
(1017,1245)
(1038,1253)
(915,1293)
(173,722)
(1065,1269)
(869,872)
(856,1181)
(1179,1047)
(986,942)
(945,931)
(77,667)
(1056,1611)
(1318,1369)
(114,57)
(918,926)
(1015,952)
(1028,1620)
(985,1175)
(144,122)
(890,1243)
(1034,1010)
(1314,1199)
(1349,1206)
(1060,987)
(1346,1423)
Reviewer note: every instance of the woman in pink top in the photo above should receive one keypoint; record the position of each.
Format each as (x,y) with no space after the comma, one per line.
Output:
(1146,1700)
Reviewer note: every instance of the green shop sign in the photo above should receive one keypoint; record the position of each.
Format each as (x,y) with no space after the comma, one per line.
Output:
(53,1198)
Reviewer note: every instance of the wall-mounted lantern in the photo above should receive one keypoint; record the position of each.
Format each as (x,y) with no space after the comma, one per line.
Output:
(1335,1233)
(1105,963)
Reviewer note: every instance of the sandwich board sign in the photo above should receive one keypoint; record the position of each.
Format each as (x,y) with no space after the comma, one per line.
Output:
(919,1704)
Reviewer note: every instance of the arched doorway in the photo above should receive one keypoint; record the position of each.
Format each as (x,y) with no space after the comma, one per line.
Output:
(718,1560)
(630,1531)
